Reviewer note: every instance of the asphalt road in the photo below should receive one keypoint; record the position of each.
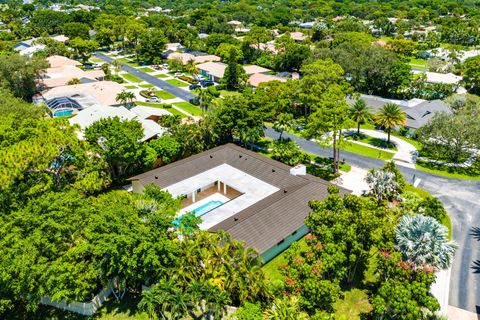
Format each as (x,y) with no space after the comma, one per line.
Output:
(182,94)
(461,199)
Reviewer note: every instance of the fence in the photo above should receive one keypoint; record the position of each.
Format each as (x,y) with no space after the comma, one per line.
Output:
(83,308)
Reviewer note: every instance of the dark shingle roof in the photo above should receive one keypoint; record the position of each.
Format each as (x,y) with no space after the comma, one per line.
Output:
(268,221)
(417,115)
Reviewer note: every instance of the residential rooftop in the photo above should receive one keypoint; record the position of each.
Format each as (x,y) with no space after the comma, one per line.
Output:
(274,200)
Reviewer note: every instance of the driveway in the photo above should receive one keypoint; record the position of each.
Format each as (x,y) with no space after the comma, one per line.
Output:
(461,199)
(182,94)
(406,153)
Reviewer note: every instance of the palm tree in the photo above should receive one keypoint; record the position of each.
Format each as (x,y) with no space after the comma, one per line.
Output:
(122,97)
(424,242)
(390,115)
(360,113)
(206,97)
(283,123)
(125,98)
(190,67)
(74,81)
(116,65)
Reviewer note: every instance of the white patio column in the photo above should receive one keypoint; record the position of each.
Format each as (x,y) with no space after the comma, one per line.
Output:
(224,188)
(218,185)
(193,196)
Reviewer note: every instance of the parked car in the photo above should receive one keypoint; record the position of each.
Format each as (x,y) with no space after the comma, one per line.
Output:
(194,86)
(207,83)
(88,66)
(153,99)
(177,74)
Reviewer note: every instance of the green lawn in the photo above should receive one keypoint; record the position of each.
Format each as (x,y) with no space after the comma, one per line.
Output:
(418,63)
(156,105)
(376,142)
(190,108)
(93,59)
(415,143)
(271,268)
(162,94)
(226,93)
(161,75)
(472,173)
(148,85)
(368,152)
(146,69)
(131,87)
(131,78)
(177,83)
(128,61)
(425,194)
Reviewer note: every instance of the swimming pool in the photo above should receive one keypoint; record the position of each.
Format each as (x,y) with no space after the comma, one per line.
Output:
(62,113)
(200,211)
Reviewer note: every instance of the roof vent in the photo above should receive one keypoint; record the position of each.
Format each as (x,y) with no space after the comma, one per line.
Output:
(211,157)
(239,155)
(284,190)
(156,177)
(299,170)
(235,219)
(273,170)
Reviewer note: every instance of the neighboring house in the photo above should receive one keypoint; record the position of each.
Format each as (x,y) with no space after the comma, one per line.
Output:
(418,111)
(446,78)
(298,36)
(197,57)
(256,199)
(215,70)
(28,47)
(255,79)
(307,25)
(62,70)
(88,94)
(87,117)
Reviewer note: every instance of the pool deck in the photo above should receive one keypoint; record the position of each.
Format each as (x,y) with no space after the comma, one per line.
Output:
(252,190)
(213,197)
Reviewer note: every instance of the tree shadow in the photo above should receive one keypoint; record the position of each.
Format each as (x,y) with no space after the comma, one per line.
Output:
(476,266)
(475,232)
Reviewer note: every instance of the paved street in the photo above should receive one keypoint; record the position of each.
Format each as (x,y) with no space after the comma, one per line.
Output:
(461,199)
(182,94)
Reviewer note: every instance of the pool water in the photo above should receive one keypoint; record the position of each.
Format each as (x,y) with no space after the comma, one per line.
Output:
(63,113)
(200,211)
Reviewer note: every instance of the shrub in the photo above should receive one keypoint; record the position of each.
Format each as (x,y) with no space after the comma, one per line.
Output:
(188,79)
(146,93)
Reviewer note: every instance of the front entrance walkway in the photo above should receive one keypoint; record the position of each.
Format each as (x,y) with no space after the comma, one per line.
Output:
(406,153)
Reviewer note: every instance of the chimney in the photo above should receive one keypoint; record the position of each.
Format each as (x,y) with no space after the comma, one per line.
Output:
(299,170)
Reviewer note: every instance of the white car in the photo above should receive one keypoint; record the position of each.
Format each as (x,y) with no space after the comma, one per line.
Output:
(177,74)
(152,99)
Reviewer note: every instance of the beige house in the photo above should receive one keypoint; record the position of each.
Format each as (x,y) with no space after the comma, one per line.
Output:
(186,57)
(255,79)
(88,94)
(216,70)
(62,70)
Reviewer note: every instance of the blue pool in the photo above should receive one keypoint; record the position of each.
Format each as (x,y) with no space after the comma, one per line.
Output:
(200,211)
(62,113)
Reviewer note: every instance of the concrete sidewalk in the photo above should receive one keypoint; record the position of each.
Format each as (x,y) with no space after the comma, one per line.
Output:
(406,153)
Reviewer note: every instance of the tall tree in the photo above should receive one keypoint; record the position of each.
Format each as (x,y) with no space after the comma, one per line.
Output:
(120,143)
(323,90)
(151,45)
(284,122)
(390,116)
(18,74)
(360,113)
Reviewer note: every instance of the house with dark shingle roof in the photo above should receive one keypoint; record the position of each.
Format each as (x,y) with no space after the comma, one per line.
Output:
(418,111)
(257,200)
